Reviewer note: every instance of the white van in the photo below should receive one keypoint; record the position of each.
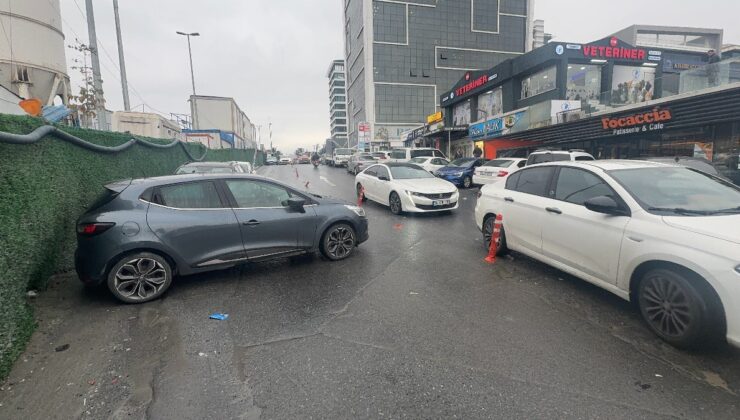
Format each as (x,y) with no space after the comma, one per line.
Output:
(405,154)
(340,156)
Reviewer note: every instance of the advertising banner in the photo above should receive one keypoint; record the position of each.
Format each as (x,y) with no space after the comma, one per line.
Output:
(497,127)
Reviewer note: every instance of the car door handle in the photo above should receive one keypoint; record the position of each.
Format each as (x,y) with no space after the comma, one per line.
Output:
(509,199)
(553,210)
(251,223)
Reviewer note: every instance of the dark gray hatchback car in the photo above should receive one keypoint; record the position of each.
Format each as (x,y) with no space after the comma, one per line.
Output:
(142,232)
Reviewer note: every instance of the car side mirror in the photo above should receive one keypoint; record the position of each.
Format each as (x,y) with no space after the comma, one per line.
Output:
(605,205)
(383,178)
(295,203)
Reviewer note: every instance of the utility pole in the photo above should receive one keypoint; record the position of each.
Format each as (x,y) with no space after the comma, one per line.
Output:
(95,59)
(193,104)
(121,61)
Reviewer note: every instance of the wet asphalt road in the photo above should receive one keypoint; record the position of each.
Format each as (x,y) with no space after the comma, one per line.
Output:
(414,325)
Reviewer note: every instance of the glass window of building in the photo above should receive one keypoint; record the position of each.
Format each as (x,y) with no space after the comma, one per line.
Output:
(584,83)
(490,104)
(539,82)
(461,114)
(631,85)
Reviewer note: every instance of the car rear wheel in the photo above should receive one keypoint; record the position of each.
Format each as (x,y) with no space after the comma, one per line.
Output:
(395,203)
(338,242)
(140,277)
(467,182)
(675,309)
(488,225)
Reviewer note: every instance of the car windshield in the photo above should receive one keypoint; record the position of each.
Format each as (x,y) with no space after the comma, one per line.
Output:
(409,172)
(463,162)
(679,191)
(547,157)
(498,163)
(343,151)
(204,170)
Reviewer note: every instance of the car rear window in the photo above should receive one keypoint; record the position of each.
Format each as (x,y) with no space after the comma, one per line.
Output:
(498,163)
(417,153)
(547,157)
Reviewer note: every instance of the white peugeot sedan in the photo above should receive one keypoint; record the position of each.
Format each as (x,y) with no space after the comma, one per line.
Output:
(664,236)
(430,163)
(496,170)
(406,187)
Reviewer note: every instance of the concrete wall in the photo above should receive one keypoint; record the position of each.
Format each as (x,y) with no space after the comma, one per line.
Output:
(145,124)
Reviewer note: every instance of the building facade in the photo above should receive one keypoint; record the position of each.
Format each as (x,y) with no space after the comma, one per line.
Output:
(223,115)
(337,102)
(683,48)
(32,58)
(145,124)
(400,55)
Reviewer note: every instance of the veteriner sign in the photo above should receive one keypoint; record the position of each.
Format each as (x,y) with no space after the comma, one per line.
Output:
(651,120)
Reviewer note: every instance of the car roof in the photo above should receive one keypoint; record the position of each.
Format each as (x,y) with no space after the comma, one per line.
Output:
(609,164)
(144,183)
(213,164)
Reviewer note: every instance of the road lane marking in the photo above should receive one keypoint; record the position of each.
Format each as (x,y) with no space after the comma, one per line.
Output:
(323,178)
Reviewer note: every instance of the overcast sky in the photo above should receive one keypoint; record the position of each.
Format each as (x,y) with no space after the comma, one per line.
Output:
(272,55)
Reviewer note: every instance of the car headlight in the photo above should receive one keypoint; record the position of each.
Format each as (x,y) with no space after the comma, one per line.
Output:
(358,210)
(415,194)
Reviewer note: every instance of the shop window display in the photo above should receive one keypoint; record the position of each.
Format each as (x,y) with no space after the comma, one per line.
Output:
(631,85)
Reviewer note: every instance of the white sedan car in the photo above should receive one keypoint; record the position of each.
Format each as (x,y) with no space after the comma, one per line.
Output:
(430,163)
(406,187)
(496,170)
(665,236)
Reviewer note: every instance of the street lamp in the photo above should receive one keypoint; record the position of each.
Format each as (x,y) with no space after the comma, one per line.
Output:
(192,75)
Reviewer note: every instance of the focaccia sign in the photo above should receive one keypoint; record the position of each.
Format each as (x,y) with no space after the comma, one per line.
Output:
(650,120)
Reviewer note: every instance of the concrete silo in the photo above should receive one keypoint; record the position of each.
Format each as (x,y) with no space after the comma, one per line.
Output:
(32,60)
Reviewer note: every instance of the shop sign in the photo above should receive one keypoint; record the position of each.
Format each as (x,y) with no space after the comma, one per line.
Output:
(613,50)
(573,46)
(414,134)
(474,84)
(433,118)
(495,127)
(652,120)
(363,137)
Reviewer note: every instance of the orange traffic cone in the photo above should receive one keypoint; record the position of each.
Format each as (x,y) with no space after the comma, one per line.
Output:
(361,196)
(495,238)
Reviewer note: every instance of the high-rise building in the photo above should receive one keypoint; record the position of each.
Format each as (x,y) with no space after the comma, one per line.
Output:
(401,55)
(337,102)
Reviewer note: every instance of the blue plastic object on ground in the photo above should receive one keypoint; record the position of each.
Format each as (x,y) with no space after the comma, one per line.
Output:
(219,316)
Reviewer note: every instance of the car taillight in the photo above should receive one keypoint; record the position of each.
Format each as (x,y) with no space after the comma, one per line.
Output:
(502,173)
(92,229)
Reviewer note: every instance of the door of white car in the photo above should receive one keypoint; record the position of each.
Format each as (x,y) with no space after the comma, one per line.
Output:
(525,199)
(576,236)
(382,184)
(369,180)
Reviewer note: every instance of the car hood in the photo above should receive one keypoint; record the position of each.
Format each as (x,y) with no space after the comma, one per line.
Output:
(426,185)
(725,227)
(327,200)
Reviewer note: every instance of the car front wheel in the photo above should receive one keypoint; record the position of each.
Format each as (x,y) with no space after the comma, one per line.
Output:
(676,310)
(467,182)
(338,242)
(394,202)
(140,277)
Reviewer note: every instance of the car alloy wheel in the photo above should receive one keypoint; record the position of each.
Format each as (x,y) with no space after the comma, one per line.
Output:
(673,308)
(140,278)
(395,203)
(339,242)
(467,182)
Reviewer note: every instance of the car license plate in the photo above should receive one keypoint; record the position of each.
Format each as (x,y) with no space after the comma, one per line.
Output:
(486,173)
(440,202)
